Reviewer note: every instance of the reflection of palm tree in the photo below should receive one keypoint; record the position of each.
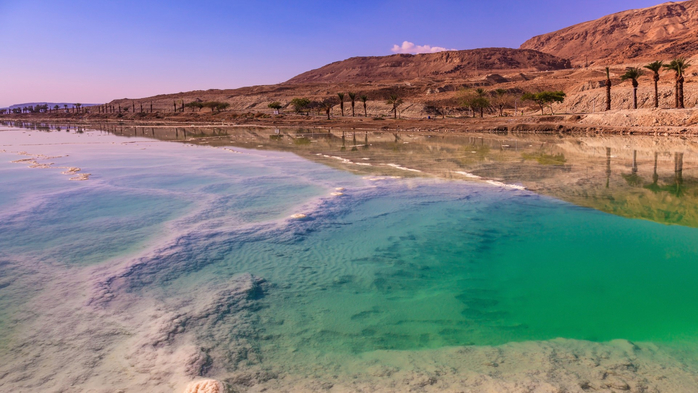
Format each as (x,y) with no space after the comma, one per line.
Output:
(654,187)
(678,173)
(633,179)
(608,166)
(655,176)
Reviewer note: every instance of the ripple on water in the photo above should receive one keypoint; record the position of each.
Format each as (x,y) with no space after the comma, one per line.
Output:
(262,274)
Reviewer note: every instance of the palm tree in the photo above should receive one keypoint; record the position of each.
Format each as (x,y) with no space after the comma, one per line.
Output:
(341,101)
(679,66)
(608,89)
(77,106)
(480,101)
(395,101)
(352,98)
(363,99)
(632,73)
(655,66)
(327,106)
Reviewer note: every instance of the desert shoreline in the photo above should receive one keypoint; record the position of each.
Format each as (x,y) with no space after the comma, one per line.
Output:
(652,122)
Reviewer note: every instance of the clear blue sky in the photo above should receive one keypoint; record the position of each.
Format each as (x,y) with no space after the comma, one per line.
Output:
(95,51)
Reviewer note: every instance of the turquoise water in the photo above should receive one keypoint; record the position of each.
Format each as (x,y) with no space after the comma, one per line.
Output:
(392,264)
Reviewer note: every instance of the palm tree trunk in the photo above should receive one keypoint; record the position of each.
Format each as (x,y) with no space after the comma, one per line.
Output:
(342,106)
(352,109)
(656,91)
(608,94)
(482,112)
(676,93)
(395,112)
(681,102)
(635,97)
(365,112)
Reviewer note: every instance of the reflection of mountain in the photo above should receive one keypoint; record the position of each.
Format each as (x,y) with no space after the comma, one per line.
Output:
(635,177)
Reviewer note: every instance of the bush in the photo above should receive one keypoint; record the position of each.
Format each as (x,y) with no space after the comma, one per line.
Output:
(195,105)
(300,104)
(216,106)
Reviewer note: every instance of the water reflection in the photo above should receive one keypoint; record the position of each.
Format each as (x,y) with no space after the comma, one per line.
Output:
(623,175)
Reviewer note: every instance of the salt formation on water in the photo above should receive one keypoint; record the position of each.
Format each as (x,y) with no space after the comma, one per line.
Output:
(205,386)
(191,303)
(35,164)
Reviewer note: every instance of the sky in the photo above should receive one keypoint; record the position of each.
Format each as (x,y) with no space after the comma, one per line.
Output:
(91,51)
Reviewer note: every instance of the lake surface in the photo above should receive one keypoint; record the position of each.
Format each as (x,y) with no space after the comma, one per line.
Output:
(316,260)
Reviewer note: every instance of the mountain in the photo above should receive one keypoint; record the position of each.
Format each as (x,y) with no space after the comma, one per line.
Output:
(661,32)
(429,81)
(442,65)
(50,105)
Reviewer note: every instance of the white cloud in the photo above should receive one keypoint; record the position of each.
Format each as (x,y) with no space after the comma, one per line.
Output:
(410,47)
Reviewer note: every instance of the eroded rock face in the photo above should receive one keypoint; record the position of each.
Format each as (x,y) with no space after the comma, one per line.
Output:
(658,32)
(452,64)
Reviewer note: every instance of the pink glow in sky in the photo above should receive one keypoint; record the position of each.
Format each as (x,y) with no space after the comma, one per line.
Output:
(96,51)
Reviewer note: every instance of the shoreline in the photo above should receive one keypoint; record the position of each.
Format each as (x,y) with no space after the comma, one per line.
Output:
(652,122)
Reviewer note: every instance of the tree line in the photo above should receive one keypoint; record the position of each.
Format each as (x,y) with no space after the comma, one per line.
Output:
(678,65)
(477,100)
(42,108)
(305,105)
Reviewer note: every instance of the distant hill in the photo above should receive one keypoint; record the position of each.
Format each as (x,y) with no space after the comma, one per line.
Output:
(50,104)
(451,64)
(656,33)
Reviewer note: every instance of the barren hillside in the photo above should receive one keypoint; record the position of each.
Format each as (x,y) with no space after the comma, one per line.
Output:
(451,64)
(660,32)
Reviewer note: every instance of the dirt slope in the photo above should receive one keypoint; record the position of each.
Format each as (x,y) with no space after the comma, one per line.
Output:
(660,32)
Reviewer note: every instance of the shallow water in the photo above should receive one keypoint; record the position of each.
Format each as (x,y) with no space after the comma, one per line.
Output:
(393,263)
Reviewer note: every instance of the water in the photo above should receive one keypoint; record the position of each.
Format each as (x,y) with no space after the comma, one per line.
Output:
(162,237)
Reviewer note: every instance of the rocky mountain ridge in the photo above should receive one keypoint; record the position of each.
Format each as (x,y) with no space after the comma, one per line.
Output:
(656,33)
(442,65)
